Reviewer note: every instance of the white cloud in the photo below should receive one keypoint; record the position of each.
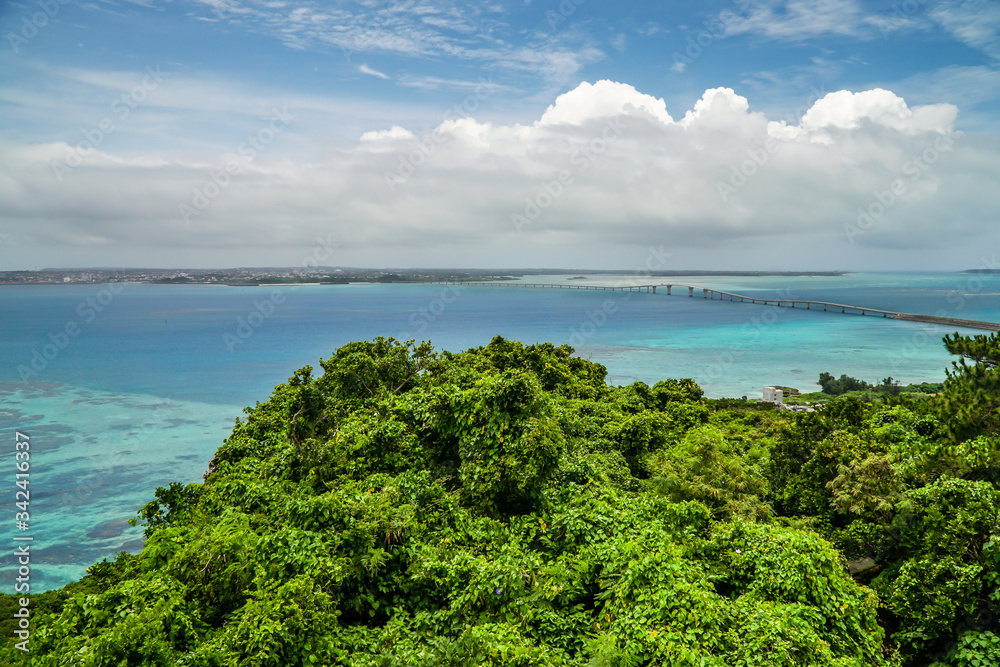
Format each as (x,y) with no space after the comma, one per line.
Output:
(717,104)
(602,99)
(799,19)
(847,110)
(419,28)
(394,133)
(652,180)
(965,86)
(188,113)
(365,69)
(438,83)
(974,22)
(894,20)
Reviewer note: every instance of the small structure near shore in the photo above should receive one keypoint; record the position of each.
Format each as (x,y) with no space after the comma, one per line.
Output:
(776,395)
(773,395)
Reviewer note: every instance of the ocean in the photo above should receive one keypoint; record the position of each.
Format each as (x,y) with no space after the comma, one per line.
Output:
(123,388)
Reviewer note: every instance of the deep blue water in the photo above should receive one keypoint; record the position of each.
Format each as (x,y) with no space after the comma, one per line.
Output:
(150,383)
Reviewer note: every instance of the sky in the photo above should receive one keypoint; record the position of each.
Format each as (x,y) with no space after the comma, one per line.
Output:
(722,135)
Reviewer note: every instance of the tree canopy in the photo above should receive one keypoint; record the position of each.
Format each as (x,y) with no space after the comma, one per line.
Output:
(506,506)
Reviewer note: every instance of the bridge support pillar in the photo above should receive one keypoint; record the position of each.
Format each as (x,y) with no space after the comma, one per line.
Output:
(654,289)
(690,291)
(704,294)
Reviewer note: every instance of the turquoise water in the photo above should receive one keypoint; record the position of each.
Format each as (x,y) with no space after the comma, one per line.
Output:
(126,390)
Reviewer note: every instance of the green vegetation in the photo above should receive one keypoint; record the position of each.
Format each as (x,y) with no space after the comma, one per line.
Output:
(505,506)
(849,386)
(845,384)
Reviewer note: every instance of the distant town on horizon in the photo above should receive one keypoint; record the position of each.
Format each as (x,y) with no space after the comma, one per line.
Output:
(332,275)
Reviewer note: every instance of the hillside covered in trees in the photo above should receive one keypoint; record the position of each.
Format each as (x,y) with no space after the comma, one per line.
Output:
(505,506)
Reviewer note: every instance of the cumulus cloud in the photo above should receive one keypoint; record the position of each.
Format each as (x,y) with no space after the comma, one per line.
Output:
(602,99)
(604,164)
(715,105)
(845,110)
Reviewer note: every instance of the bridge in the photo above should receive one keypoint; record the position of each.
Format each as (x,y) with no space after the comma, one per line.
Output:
(516,283)
(711,293)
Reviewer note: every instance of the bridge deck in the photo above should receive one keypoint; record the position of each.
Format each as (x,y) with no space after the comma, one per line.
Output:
(513,283)
(709,293)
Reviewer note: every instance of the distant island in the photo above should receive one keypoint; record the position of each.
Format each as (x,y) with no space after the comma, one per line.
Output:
(249,276)
(252,276)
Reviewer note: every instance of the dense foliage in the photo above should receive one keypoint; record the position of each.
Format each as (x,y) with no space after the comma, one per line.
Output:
(888,386)
(836,387)
(505,506)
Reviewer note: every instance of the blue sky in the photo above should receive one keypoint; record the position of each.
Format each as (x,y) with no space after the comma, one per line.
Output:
(490,102)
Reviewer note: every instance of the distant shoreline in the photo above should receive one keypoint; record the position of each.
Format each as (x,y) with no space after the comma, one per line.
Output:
(278,276)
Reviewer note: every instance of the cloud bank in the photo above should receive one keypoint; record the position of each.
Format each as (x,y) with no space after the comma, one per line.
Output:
(604,165)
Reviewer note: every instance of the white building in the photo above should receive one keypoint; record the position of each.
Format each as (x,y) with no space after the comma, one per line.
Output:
(772,395)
